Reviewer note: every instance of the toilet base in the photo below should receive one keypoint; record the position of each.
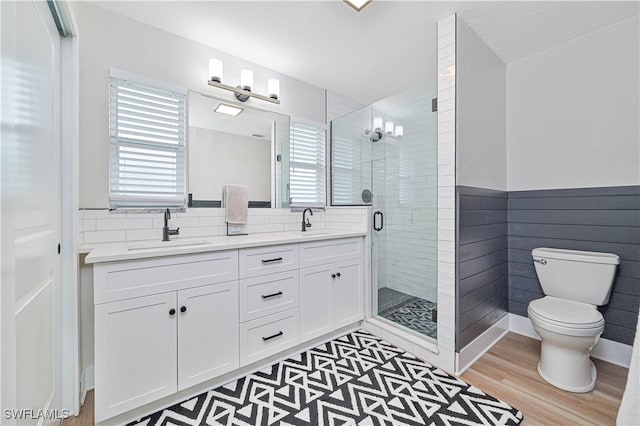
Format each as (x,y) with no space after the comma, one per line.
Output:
(580,389)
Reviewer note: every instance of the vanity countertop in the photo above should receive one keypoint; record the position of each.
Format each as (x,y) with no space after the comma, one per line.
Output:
(115,252)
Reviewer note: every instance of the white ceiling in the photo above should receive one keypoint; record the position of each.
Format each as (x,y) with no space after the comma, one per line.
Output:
(384,49)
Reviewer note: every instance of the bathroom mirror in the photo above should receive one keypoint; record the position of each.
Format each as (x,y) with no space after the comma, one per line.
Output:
(250,148)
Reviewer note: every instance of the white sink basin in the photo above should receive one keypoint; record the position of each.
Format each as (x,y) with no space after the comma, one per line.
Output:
(149,245)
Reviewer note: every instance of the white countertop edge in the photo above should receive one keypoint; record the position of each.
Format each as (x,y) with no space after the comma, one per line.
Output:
(115,252)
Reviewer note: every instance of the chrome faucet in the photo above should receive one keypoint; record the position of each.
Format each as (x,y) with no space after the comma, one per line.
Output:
(165,229)
(306,224)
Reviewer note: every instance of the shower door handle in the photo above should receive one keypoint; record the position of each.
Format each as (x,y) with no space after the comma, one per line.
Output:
(375,216)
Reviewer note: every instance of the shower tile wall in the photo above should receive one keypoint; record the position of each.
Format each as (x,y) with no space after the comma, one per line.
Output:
(407,167)
(482,261)
(603,219)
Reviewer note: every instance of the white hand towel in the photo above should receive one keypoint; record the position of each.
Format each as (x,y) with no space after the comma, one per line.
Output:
(236,202)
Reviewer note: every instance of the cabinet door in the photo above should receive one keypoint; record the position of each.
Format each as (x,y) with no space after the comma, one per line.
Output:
(135,353)
(347,293)
(208,343)
(315,301)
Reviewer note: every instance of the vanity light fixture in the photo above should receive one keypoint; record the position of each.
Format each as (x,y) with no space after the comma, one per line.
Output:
(215,70)
(376,134)
(399,131)
(243,91)
(273,88)
(388,127)
(226,109)
(358,5)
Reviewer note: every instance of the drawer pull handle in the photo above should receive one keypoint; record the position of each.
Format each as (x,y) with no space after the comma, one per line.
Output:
(267,261)
(333,275)
(338,275)
(172,312)
(268,296)
(183,309)
(266,339)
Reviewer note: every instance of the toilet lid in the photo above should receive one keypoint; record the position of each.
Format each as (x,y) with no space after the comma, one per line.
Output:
(573,314)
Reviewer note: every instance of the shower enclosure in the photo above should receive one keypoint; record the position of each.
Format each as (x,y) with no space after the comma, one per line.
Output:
(384,156)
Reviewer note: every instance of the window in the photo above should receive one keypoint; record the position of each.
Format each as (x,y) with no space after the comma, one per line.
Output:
(147,159)
(307,165)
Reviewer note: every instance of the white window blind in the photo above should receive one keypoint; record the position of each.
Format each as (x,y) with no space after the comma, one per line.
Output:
(307,165)
(147,130)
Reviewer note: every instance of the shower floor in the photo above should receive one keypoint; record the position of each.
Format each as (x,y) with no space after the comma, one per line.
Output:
(408,311)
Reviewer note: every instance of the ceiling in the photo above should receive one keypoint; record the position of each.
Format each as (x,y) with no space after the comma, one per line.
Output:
(384,49)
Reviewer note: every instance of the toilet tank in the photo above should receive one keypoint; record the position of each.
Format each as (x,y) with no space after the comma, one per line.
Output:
(582,276)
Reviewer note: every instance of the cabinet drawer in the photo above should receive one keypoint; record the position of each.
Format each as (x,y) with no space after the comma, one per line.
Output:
(136,278)
(269,294)
(269,335)
(268,260)
(323,252)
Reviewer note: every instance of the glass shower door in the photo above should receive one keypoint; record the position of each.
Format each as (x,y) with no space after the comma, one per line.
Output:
(404,207)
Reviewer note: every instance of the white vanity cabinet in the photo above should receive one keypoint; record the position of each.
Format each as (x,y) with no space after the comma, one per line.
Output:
(168,323)
(154,345)
(331,293)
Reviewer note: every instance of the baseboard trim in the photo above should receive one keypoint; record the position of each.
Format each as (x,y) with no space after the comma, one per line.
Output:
(481,344)
(606,350)
(90,377)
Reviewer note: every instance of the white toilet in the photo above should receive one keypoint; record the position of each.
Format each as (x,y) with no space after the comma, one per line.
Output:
(567,319)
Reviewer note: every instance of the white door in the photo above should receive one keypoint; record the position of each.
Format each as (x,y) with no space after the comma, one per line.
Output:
(31,288)
(315,301)
(208,344)
(136,353)
(347,294)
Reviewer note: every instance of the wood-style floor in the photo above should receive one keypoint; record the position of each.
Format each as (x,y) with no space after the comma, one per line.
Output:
(508,372)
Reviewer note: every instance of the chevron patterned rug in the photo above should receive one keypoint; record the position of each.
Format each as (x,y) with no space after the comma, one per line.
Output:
(356,379)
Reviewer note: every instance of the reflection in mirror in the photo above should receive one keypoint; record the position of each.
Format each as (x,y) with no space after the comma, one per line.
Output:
(250,148)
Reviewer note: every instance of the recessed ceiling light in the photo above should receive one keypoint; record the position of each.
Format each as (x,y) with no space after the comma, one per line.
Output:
(228,110)
(358,4)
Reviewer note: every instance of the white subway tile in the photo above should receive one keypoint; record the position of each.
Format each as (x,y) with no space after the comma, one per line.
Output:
(96,214)
(104,236)
(144,234)
(111,224)
(268,228)
(201,231)
(88,225)
(211,221)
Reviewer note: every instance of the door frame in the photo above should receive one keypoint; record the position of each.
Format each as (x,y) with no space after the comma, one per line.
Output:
(71,397)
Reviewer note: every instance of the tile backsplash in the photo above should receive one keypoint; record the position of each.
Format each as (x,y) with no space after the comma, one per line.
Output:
(102,226)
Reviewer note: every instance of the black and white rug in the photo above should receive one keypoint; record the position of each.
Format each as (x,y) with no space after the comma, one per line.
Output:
(356,379)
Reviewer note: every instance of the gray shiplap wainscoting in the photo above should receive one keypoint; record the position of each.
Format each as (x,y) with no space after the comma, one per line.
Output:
(482,273)
(603,219)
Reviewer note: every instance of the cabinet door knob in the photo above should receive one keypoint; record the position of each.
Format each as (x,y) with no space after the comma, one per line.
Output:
(338,275)
(183,309)
(333,275)
(172,312)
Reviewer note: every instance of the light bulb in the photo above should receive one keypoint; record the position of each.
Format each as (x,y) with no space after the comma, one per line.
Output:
(246,79)
(273,88)
(399,131)
(215,70)
(388,127)
(377,123)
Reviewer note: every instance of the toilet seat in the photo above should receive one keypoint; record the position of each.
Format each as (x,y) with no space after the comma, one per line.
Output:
(566,316)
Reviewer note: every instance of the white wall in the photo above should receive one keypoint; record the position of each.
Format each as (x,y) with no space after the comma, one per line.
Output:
(218,158)
(573,113)
(111,40)
(480,113)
